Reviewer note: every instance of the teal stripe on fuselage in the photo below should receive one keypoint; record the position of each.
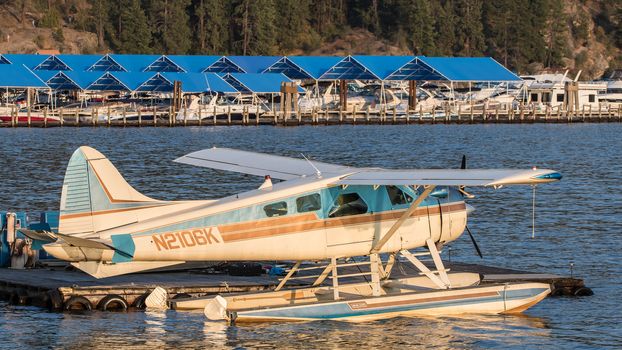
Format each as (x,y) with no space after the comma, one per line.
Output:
(377,201)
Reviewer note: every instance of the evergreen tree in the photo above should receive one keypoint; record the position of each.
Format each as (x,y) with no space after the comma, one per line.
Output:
(99,13)
(469,29)
(445,26)
(132,32)
(170,25)
(556,42)
(255,21)
(212,26)
(419,26)
(294,30)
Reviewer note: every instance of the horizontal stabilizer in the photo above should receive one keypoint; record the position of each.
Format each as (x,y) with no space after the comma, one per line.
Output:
(99,269)
(260,164)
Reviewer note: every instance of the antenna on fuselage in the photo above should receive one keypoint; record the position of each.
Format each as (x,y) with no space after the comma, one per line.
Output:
(317,171)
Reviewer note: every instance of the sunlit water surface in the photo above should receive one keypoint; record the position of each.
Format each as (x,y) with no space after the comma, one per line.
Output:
(578,221)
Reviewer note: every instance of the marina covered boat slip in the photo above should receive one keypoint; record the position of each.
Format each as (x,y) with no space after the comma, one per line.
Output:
(170,90)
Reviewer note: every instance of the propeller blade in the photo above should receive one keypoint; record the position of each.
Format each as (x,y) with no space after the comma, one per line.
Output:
(463,164)
(479,252)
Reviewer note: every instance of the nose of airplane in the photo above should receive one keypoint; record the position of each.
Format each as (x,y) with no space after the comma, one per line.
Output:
(469,208)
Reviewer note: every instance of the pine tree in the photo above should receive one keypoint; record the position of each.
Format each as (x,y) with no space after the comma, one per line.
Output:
(445,26)
(170,25)
(419,26)
(99,13)
(469,31)
(212,23)
(132,32)
(294,30)
(255,20)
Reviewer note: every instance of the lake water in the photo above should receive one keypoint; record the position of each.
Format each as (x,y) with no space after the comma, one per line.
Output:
(578,221)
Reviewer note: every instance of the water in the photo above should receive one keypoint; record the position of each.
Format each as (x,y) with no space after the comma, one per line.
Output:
(577,222)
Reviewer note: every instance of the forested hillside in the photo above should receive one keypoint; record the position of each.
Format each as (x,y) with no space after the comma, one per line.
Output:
(527,35)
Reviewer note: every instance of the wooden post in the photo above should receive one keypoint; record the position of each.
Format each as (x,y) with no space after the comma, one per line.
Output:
(61,116)
(45,117)
(343,94)
(459,111)
(124,117)
(420,113)
(354,115)
(140,117)
(394,115)
(93,118)
(412,95)
(257,116)
(497,113)
(533,112)
(77,117)
(185,115)
(214,116)
(229,115)
(108,114)
(155,116)
(28,97)
(367,115)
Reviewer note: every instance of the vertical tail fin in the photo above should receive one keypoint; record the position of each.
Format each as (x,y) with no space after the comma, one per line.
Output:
(93,189)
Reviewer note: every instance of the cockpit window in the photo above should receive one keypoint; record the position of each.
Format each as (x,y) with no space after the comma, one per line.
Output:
(311,202)
(397,196)
(347,204)
(275,209)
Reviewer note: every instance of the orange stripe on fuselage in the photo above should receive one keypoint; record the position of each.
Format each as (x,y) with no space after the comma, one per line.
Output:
(282,226)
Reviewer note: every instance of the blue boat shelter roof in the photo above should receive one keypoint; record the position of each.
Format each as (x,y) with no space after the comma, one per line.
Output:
(28,60)
(315,66)
(163,64)
(18,76)
(254,64)
(383,66)
(118,81)
(265,83)
(415,69)
(193,64)
(52,63)
(199,82)
(4,60)
(134,63)
(79,63)
(106,64)
(290,69)
(224,65)
(349,68)
(470,68)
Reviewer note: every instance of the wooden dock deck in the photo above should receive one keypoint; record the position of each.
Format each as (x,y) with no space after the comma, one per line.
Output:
(57,289)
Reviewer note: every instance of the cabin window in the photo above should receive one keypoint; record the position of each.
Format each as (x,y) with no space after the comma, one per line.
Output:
(311,202)
(534,98)
(347,204)
(592,98)
(275,209)
(397,196)
(546,97)
(560,97)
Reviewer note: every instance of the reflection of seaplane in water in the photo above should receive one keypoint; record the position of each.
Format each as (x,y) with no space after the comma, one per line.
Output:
(320,212)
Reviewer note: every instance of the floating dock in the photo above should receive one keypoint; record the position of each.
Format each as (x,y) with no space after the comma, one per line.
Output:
(58,289)
(520,115)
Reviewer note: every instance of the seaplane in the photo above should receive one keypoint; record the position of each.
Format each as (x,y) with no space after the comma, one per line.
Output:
(316,216)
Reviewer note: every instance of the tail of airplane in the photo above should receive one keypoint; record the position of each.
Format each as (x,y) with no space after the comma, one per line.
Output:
(95,196)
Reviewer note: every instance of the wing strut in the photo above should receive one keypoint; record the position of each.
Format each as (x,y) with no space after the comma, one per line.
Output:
(402,219)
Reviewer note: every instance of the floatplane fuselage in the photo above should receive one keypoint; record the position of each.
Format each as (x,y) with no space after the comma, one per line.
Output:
(319,212)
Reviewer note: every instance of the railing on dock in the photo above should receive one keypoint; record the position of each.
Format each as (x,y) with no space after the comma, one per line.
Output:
(212,115)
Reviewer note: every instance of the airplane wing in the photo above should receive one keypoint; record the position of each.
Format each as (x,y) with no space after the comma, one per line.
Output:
(450,177)
(260,164)
(286,168)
